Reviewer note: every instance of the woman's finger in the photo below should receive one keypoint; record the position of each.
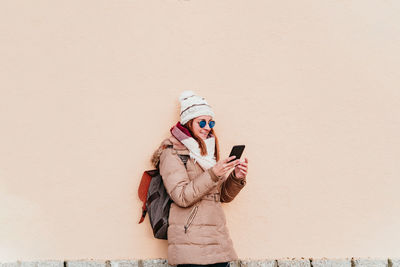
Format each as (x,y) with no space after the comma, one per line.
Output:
(235,162)
(228,159)
(242,168)
(230,166)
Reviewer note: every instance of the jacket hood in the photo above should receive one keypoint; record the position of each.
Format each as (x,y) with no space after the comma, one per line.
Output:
(177,145)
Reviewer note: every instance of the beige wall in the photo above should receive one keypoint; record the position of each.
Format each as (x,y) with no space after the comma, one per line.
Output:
(88,89)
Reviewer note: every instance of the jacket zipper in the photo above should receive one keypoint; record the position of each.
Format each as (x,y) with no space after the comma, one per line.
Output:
(193,212)
(191,218)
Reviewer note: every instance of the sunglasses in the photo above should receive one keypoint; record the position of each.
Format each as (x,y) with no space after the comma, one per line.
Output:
(203,123)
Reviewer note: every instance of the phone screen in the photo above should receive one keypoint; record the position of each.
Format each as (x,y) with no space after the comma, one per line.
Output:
(237,151)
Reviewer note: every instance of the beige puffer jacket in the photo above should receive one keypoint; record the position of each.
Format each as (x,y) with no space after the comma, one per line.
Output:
(197,232)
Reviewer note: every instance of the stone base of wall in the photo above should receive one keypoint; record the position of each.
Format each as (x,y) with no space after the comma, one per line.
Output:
(285,262)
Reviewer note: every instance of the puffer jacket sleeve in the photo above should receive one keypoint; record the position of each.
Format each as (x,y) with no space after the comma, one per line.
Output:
(183,191)
(231,187)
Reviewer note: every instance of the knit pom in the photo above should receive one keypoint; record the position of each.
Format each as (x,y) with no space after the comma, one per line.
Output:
(186,94)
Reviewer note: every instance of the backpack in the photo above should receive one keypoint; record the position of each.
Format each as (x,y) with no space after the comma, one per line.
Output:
(156,200)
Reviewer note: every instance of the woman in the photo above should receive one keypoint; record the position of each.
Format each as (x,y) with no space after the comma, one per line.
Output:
(197,232)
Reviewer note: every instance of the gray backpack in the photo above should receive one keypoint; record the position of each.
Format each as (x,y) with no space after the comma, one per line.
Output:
(156,200)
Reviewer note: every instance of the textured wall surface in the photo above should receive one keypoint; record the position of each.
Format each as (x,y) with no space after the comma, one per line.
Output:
(89,88)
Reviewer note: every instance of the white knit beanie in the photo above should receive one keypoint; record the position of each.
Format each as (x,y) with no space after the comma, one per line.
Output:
(193,106)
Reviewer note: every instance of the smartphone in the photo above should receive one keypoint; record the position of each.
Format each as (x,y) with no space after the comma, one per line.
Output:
(236,151)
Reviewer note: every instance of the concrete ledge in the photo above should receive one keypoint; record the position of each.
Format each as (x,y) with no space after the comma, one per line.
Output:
(42,263)
(285,262)
(302,262)
(10,264)
(370,262)
(86,263)
(394,262)
(256,263)
(139,263)
(124,263)
(324,262)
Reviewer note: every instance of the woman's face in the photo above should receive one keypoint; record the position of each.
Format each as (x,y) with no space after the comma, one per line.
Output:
(201,132)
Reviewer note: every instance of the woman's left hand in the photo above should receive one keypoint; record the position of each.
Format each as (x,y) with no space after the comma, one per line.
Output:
(241,169)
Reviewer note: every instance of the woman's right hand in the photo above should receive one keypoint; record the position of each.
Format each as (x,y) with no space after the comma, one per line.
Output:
(222,166)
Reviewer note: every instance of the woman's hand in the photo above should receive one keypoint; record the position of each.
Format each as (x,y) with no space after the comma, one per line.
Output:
(222,166)
(241,169)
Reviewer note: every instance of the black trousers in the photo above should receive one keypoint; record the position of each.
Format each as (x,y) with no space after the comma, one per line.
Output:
(221,264)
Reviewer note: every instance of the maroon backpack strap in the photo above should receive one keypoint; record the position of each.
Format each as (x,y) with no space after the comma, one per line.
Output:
(144,212)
